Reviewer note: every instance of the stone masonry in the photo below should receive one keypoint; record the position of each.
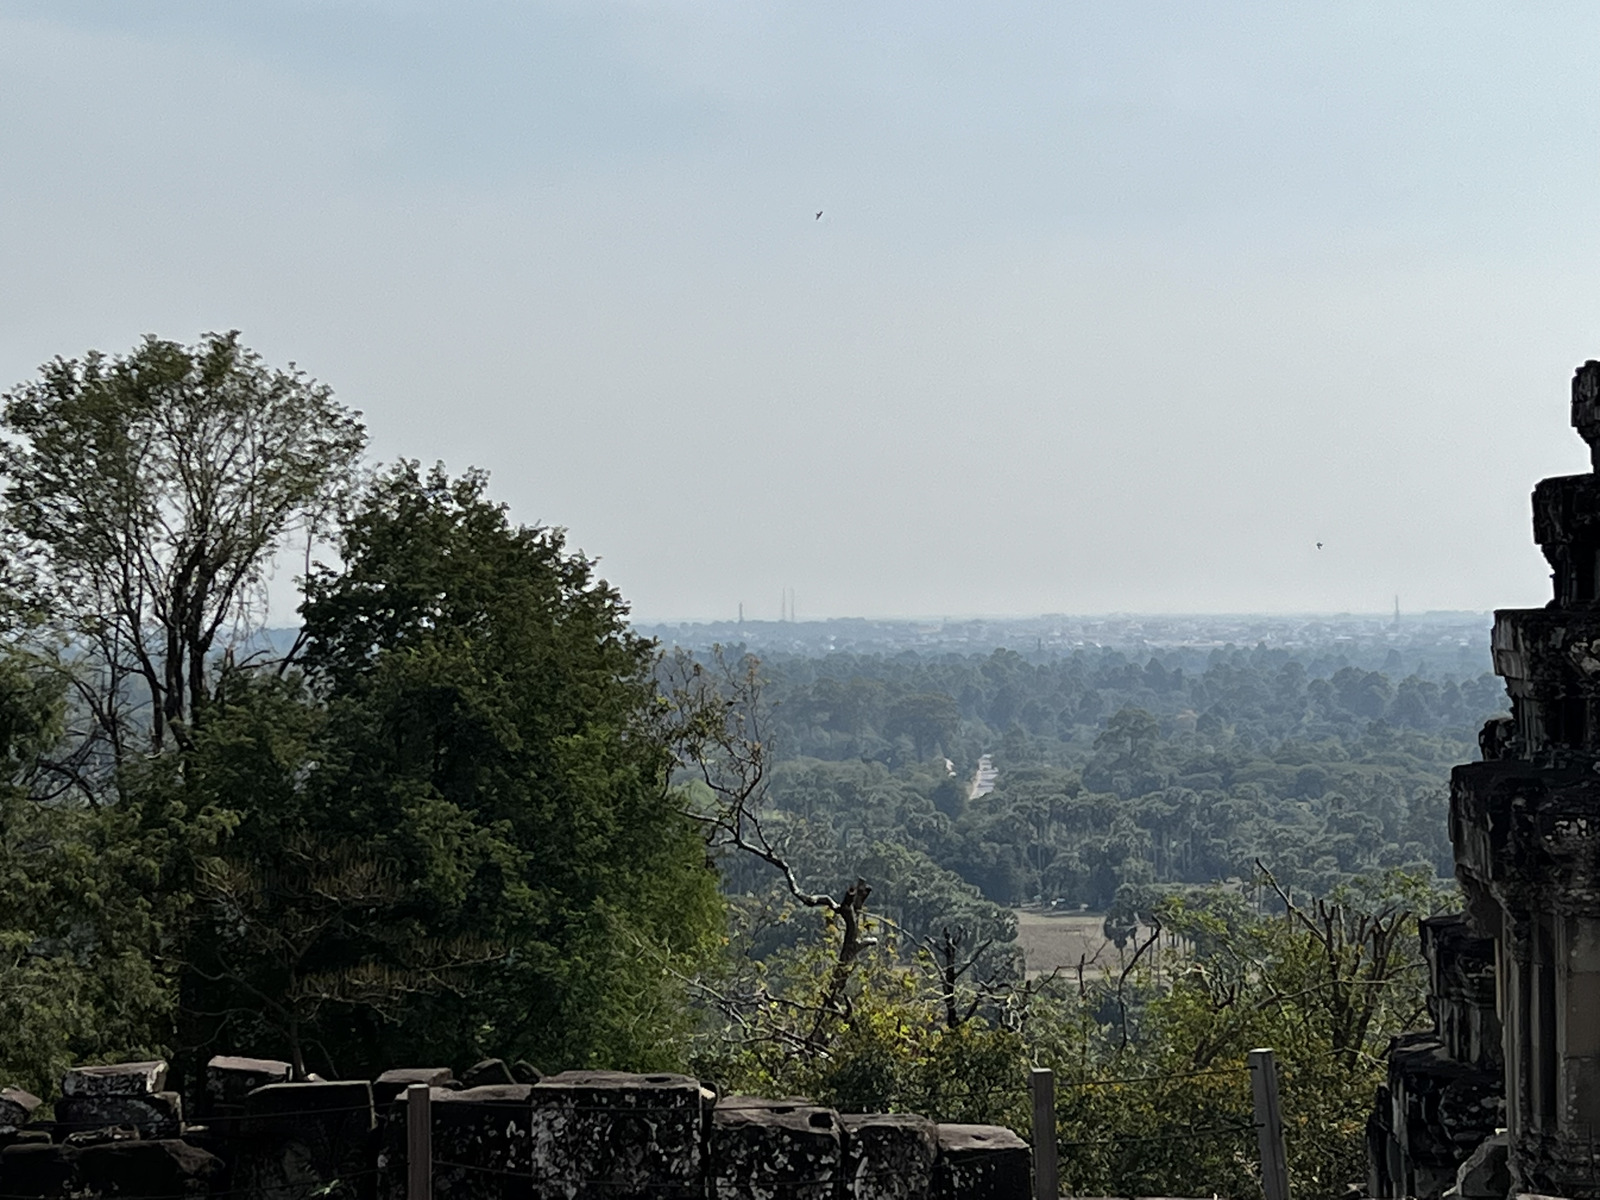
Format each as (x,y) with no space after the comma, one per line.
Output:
(1444,1092)
(576,1135)
(1526,828)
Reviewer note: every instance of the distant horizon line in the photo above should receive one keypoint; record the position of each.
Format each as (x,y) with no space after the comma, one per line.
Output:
(1113,614)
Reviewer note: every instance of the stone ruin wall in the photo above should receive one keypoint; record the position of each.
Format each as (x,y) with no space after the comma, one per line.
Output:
(118,1133)
(1524,961)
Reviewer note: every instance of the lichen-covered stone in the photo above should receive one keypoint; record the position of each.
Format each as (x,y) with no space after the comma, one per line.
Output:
(154,1116)
(773,1150)
(618,1136)
(481,1143)
(889,1156)
(229,1079)
(116,1079)
(296,1139)
(16,1108)
(982,1162)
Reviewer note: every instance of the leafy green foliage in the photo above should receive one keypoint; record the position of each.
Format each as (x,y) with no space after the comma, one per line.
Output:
(1181,771)
(145,496)
(460,837)
(1153,1094)
(85,900)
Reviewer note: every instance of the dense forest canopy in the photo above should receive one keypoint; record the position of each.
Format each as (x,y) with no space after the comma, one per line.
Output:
(1117,771)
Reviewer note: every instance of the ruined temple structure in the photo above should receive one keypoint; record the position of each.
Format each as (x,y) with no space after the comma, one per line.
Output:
(1526,828)
(496,1133)
(1443,1099)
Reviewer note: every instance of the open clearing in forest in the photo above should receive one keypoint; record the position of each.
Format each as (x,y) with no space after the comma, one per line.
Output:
(1050,940)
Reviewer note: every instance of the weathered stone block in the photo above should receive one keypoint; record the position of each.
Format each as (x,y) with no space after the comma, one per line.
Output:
(773,1150)
(116,1079)
(982,1162)
(16,1108)
(1442,1109)
(155,1116)
(133,1169)
(38,1169)
(889,1156)
(230,1079)
(610,1134)
(298,1138)
(491,1072)
(393,1082)
(156,1169)
(1461,991)
(482,1148)
(1486,1175)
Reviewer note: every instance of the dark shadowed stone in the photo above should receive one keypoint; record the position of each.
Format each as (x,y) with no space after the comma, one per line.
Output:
(1441,1109)
(38,1169)
(525,1072)
(297,1138)
(616,1135)
(391,1083)
(116,1079)
(481,1147)
(1486,1175)
(888,1156)
(143,1169)
(489,1073)
(156,1116)
(773,1150)
(982,1162)
(147,1169)
(230,1079)
(16,1108)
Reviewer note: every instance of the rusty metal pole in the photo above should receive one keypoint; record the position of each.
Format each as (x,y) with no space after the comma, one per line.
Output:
(419,1142)
(1046,1168)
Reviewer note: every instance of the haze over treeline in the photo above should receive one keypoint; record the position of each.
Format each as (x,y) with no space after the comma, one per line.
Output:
(1108,309)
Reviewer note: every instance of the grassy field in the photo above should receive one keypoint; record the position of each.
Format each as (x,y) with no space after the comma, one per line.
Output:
(1050,940)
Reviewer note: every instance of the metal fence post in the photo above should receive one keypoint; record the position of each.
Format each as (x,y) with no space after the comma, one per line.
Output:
(1046,1169)
(1269,1125)
(419,1142)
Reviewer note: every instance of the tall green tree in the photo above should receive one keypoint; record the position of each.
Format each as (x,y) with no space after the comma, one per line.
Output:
(487,735)
(145,496)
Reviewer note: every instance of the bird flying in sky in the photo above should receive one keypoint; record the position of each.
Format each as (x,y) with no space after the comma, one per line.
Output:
(819,216)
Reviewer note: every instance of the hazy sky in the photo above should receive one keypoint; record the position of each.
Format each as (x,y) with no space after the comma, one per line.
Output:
(1111,306)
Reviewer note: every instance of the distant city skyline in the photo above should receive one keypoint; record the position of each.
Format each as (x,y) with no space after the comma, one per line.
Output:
(1118,308)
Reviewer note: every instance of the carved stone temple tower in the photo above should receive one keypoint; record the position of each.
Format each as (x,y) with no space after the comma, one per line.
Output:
(1526,828)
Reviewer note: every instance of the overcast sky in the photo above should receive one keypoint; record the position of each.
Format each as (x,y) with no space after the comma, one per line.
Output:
(1110,307)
